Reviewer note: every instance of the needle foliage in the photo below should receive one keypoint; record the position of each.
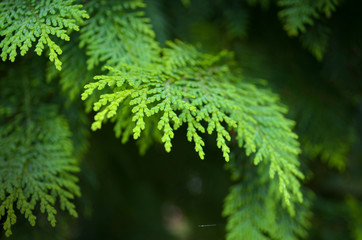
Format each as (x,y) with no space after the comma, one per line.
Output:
(105,59)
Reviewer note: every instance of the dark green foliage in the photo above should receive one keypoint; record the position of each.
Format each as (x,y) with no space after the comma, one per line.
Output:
(158,91)
(253,206)
(36,154)
(356,216)
(316,40)
(117,33)
(298,15)
(71,81)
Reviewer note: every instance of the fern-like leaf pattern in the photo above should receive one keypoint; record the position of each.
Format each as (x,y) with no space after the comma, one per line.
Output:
(24,22)
(36,154)
(206,101)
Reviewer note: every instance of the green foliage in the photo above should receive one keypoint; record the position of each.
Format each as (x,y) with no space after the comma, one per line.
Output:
(153,91)
(306,19)
(157,15)
(117,33)
(263,3)
(36,154)
(305,89)
(206,100)
(316,40)
(72,81)
(237,21)
(297,15)
(355,211)
(24,22)
(253,206)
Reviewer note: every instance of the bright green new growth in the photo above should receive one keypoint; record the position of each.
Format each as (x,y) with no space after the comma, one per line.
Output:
(152,96)
(149,93)
(116,33)
(200,91)
(24,22)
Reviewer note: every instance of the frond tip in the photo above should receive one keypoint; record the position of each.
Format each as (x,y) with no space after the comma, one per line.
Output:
(24,22)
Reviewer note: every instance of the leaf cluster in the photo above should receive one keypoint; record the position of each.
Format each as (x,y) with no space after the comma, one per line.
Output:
(253,206)
(149,92)
(299,18)
(37,163)
(306,19)
(24,22)
(197,90)
(117,33)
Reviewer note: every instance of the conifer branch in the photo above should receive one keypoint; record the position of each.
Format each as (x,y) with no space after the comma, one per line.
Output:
(36,155)
(206,100)
(23,22)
